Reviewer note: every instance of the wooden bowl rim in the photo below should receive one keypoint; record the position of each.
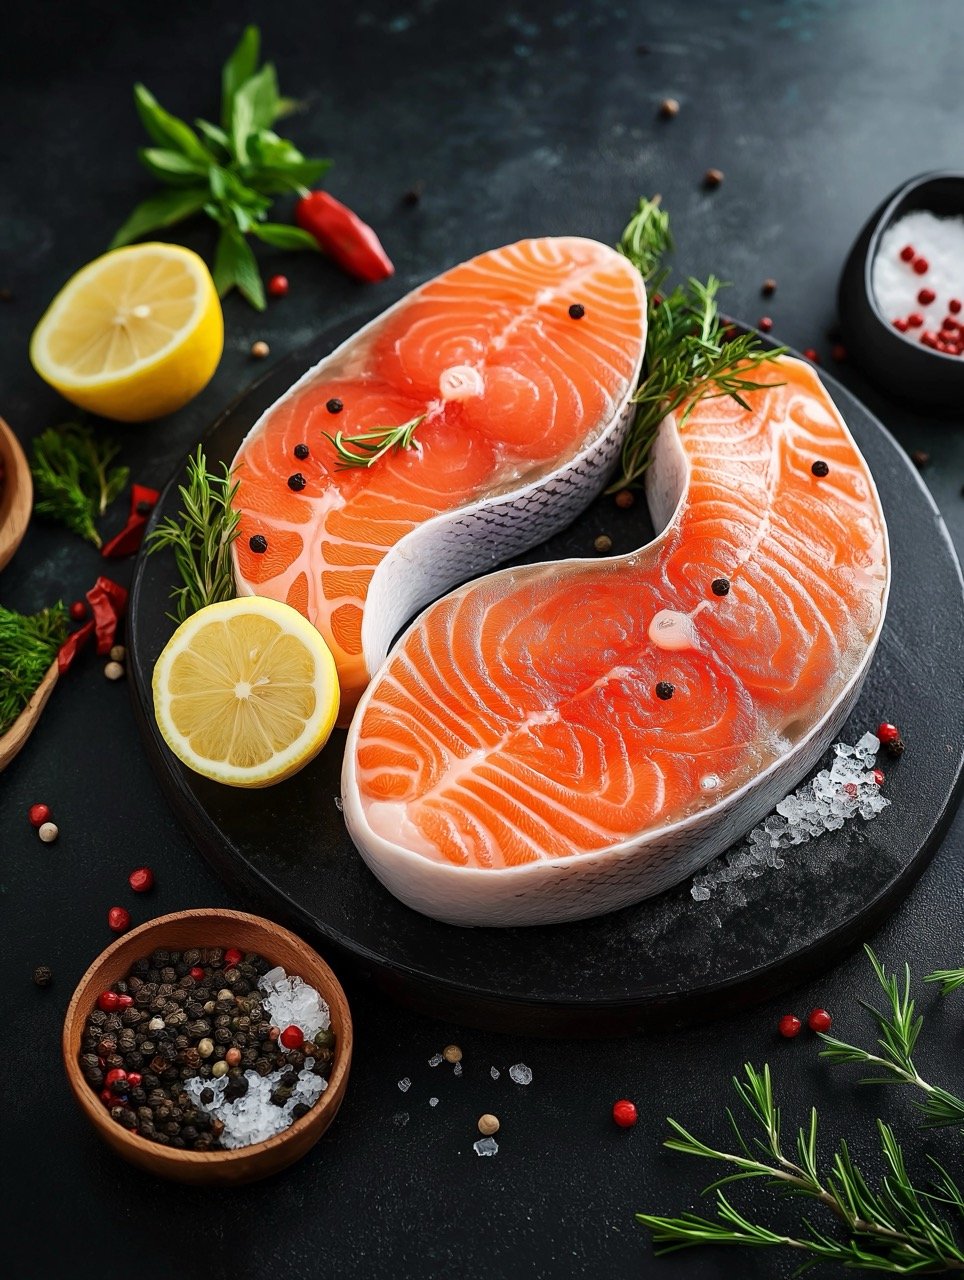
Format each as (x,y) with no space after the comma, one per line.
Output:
(93,1106)
(17,481)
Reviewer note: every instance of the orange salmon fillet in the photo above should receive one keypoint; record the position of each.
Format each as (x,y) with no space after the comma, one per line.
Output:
(560,709)
(511,387)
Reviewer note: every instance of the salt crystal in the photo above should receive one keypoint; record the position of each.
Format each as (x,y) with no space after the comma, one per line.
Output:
(485,1147)
(435,1059)
(896,285)
(405,1084)
(339,805)
(700,894)
(520,1073)
(494,1072)
(869,744)
(457,1069)
(272,978)
(433,1102)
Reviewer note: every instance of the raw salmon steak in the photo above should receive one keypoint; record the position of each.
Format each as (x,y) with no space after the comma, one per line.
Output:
(556,741)
(518,367)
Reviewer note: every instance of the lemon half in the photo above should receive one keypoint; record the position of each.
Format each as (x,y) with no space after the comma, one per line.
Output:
(135,334)
(246,692)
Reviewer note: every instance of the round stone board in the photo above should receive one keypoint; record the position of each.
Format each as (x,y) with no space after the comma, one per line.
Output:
(285,849)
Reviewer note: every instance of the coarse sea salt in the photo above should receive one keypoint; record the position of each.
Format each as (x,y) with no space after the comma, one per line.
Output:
(494,1072)
(824,803)
(485,1147)
(254,1117)
(897,286)
(405,1084)
(292,1002)
(520,1073)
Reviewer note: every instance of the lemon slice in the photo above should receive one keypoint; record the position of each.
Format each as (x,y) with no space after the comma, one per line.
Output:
(134,335)
(246,692)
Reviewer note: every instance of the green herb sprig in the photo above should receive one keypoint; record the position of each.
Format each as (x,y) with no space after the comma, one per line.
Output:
(28,645)
(73,477)
(231,172)
(200,538)
(896,1228)
(364,449)
(690,356)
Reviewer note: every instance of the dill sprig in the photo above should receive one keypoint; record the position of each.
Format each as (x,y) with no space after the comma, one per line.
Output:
(899,1029)
(28,645)
(690,356)
(74,479)
(200,538)
(364,449)
(895,1227)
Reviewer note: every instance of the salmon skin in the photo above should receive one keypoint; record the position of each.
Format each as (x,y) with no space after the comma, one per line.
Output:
(519,367)
(556,741)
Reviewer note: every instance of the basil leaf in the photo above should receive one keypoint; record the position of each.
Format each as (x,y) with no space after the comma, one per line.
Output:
(162,210)
(214,136)
(235,267)
(241,66)
(294,177)
(284,237)
(171,167)
(261,92)
(241,121)
(168,130)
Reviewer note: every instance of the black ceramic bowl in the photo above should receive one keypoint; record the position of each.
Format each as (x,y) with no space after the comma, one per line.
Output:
(908,370)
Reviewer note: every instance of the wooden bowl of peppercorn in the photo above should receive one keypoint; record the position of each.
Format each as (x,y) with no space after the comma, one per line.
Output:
(203,930)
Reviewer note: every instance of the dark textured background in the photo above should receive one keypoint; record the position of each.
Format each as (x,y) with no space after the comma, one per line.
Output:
(519,120)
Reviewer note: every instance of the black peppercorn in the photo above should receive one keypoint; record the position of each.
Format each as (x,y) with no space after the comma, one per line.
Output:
(325,1039)
(895,748)
(577,311)
(301,452)
(300,1109)
(720,586)
(665,690)
(258,543)
(43,975)
(820,468)
(297,482)
(334,405)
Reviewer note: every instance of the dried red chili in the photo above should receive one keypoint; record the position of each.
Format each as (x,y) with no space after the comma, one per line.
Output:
(72,646)
(342,234)
(107,602)
(125,543)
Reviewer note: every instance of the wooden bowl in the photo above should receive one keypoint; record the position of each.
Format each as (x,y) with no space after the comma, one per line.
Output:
(210,927)
(16,493)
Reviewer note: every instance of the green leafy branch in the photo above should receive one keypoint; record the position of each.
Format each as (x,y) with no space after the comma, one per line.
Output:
(201,537)
(73,477)
(690,353)
(231,171)
(895,1228)
(28,645)
(365,448)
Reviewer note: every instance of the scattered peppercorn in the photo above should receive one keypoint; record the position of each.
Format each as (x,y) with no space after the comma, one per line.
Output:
(141,880)
(48,833)
(38,814)
(895,749)
(78,611)
(820,468)
(764,324)
(920,458)
(768,288)
(811,354)
(488,1124)
(577,310)
(712,178)
(887,732)
(603,543)
(452,1053)
(413,194)
(878,775)
(301,451)
(278,286)
(297,482)
(259,350)
(118,653)
(624,499)
(624,1113)
(665,690)
(789,1026)
(258,544)
(113,671)
(669,108)
(819,1020)
(334,405)
(43,975)
(838,352)
(118,919)
(720,586)
(921,266)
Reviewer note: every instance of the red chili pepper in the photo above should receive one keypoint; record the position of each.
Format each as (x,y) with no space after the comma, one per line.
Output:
(125,543)
(343,235)
(72,646)
(107,603)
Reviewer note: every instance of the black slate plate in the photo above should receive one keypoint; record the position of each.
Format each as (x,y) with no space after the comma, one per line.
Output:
(287,851)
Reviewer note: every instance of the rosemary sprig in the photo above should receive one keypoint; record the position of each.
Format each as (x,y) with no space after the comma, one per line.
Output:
(28,645)
(894,1228)
(899,1030)
(201,538)
(74,479)
(950,979)
(689,354)
(364,449)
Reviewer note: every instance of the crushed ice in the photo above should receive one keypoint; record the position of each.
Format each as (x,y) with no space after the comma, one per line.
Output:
(485,1147)
(824,803)
(520,1073)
